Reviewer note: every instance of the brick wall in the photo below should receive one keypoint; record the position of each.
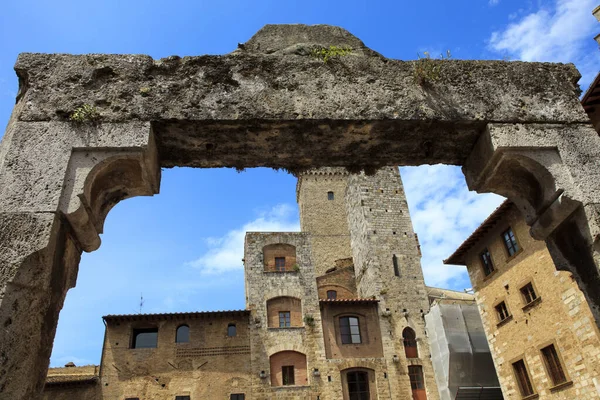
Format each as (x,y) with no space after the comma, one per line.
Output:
(287,358)
(341,280)
(279,304)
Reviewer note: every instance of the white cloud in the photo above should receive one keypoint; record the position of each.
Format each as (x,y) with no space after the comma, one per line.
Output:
(562,32)
(493,2)
(444,213)
(225,253)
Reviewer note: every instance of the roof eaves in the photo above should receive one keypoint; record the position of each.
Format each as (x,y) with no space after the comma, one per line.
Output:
(458,257)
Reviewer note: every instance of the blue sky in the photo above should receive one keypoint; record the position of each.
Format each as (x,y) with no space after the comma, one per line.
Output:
(182,249)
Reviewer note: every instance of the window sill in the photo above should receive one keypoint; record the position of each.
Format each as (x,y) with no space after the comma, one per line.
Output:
(291,387)
(287,328)
(504,321)
(561,386)
(490,275)
(531,397)
(509,257)
(281,272)
(532,304)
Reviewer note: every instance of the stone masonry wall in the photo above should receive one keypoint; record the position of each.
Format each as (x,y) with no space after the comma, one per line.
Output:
(211,365)
(380,227)
(307,339)
(324,219)
(560,316)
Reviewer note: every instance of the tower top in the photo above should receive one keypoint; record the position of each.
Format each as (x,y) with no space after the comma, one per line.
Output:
(301,39)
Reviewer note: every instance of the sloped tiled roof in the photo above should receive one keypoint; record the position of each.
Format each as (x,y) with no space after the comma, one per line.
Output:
(348,301)
(177,315)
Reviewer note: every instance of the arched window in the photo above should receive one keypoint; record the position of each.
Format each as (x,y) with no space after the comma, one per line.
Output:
(183,334)
(231,330)
(331,295)
(410,343)
(350,330)
(288,368)
(284,312)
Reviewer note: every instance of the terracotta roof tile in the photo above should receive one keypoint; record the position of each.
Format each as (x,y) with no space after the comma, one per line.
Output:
(176,315)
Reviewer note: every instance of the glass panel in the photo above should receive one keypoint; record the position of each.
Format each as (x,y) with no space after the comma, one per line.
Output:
(145,338)
(231,330)
(183,334)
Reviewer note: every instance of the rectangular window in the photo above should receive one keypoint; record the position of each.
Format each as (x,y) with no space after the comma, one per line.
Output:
(287,373)
(523,381)
(331,295)
(350,330)
(182,397)
(330,196)
(144,338)
(553,365)
(528,293)
(396,267)
(502,311)
(237,396)
(486,262)
(284,319)
(510,242)
(415,373)
(280,264)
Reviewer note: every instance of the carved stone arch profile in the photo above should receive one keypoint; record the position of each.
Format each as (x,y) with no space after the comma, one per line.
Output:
(409,338)
(279,257)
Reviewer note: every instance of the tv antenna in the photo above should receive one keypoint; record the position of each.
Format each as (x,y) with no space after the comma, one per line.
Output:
(141,302)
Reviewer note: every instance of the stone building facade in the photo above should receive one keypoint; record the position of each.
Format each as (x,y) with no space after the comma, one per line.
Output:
(540,329)
(336,311)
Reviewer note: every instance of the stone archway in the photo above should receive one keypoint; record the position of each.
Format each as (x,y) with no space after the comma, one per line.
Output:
(273,102)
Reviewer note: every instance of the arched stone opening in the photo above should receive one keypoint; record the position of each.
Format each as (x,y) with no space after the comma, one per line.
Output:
(288,368)
(284,312)
(359,383)
(50,211)
(409,337)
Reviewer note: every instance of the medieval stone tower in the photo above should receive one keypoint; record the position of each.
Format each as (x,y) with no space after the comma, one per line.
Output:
(367,218)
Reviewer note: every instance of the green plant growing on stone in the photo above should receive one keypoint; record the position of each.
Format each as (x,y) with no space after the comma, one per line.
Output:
(309,320)
(383,291)
(145,91)
(428,70)
(296,268)
(85,114)
(326,54)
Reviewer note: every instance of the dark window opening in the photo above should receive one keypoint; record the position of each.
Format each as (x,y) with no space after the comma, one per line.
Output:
(528,293)
(182,397)
(231,330)
(280,264)
(287,373)
(502,311)
(486,262)
(284,319)
(523,381)
(132,398)
(358,385)
(553,365)
(395,262)
(237,396)
(415,373)
(331,294)
(145,338)
(330,196)
(183,334)
(350,330)
(410,343)
(510,242)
